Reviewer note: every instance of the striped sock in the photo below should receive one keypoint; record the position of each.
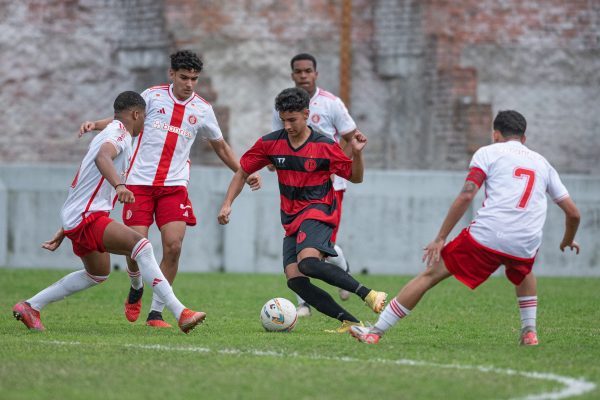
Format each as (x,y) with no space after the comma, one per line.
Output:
(136,279)
(72,283)
(528,309)
(392,313)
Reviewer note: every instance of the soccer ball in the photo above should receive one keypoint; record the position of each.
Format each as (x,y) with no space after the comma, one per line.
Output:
(278,315)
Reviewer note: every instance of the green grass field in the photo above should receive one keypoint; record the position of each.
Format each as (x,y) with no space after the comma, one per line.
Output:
(458,344)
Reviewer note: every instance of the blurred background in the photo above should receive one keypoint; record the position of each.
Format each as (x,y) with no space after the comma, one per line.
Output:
(422,79)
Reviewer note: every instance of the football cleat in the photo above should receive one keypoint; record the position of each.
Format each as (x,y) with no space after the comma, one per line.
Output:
(344,294)
(155,320)
(189,319)
(364,334)
(133,304)
(345,327)
(303,310)
(26,314)
(528,336)
(376,301)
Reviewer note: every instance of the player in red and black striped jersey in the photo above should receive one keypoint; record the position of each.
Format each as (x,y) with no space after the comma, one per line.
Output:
(304,161)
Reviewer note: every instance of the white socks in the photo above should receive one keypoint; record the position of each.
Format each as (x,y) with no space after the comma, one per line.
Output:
(528,309)
(143,254)
(136,279)
(72,283)
(392,313)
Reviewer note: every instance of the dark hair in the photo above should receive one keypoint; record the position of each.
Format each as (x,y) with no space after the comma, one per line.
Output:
(185,59)
(292,99)
(303,56)
(128,100)
(510,123)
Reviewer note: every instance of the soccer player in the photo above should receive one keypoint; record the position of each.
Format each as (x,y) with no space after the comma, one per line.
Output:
(305,160)
(160,171)
(85,218)
(328,116)
(507,229)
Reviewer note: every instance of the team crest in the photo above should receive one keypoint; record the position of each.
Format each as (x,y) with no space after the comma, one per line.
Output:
(310,165)
(300,237)
(315,118)
(192,119)
(129,214)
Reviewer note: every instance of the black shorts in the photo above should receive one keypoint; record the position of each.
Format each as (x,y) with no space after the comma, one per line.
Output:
(312,233)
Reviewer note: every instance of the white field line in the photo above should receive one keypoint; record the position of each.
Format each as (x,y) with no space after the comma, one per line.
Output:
(572,386)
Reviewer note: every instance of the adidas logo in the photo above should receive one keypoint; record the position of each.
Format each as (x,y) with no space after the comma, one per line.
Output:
(162,111)
(156,281)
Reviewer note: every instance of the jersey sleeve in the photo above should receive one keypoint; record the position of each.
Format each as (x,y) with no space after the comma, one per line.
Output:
(209,128)
(480,161)
(339,163)
(556,189)
(117,139)
(146,96)
(342,120)
(255,158)
(276,123)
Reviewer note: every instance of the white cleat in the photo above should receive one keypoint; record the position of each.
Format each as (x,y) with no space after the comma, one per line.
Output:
(303,310)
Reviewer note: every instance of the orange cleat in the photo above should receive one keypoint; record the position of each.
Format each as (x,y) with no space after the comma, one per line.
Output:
(528,336)
(364,334)
(26,314)
(133,304)
(158,323)
(189,319)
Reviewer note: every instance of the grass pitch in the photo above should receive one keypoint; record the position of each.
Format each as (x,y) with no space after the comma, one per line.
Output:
(457,344)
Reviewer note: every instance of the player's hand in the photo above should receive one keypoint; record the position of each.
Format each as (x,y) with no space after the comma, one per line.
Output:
(55,242)
(125,195)
(254,181)
(359,141)
(223,216)
(431,252)
(86,127)
(572,245)
(271,168)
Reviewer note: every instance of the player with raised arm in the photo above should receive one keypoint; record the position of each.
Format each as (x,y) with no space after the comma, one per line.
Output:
(85,218)
(305,160)
(160,170)
(328,116)
(507,229)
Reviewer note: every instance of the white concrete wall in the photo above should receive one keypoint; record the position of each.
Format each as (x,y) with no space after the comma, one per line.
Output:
(386,222)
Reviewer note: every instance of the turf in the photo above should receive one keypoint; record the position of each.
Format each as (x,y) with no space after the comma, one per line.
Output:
(90,351)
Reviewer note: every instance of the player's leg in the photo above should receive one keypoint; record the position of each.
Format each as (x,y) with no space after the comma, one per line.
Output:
(133,302)
(527,296)
(340,260)
(120,239)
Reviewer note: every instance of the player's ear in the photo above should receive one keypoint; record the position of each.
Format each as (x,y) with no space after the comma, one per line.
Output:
(171,74)
(305,113)
(523,139)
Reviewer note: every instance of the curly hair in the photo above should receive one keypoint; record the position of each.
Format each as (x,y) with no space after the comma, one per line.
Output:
(186,59)
(510,123)
(303,56)
(291,100)
(128,100)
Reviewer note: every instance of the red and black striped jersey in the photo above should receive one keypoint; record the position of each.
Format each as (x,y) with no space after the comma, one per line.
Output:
(305,187)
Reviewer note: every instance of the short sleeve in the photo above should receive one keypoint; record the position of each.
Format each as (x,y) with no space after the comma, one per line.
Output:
(118,139)
(339,163)
(209,127)
(276,123)
(480,160)
(255,158)
(556,189)
(342,120)
(146,96)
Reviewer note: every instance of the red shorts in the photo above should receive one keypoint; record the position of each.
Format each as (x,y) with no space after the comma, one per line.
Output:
(339,196)
(87,237)
(472,263)
(167,203)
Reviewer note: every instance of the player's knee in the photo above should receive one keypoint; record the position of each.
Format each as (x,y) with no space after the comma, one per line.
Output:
(309,266)
(297,284)
(173,248)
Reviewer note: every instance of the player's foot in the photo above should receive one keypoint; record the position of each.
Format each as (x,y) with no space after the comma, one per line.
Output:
(133,304)
(364,334)
(376,300)
(528,336)
(303,310)
(155,320)
(345,327)
(189,319)
(344,294)
(26,314)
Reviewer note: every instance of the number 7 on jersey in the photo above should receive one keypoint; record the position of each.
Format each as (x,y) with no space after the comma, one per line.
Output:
(529,176)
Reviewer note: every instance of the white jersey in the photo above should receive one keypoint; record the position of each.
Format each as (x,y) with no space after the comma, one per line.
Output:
(328,116)
(162,150)
(512,216)
(90,192)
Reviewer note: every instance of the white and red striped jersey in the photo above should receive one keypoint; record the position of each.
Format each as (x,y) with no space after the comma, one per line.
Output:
(89,191)
(513,213)
(328,116)
(162,150)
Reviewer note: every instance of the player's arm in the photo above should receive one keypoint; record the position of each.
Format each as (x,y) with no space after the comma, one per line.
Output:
(458,208)
(87,126)
(55,242)
(104,162)
(235,187)
(226,154)
(358,143)
(572,218)
(346,140)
